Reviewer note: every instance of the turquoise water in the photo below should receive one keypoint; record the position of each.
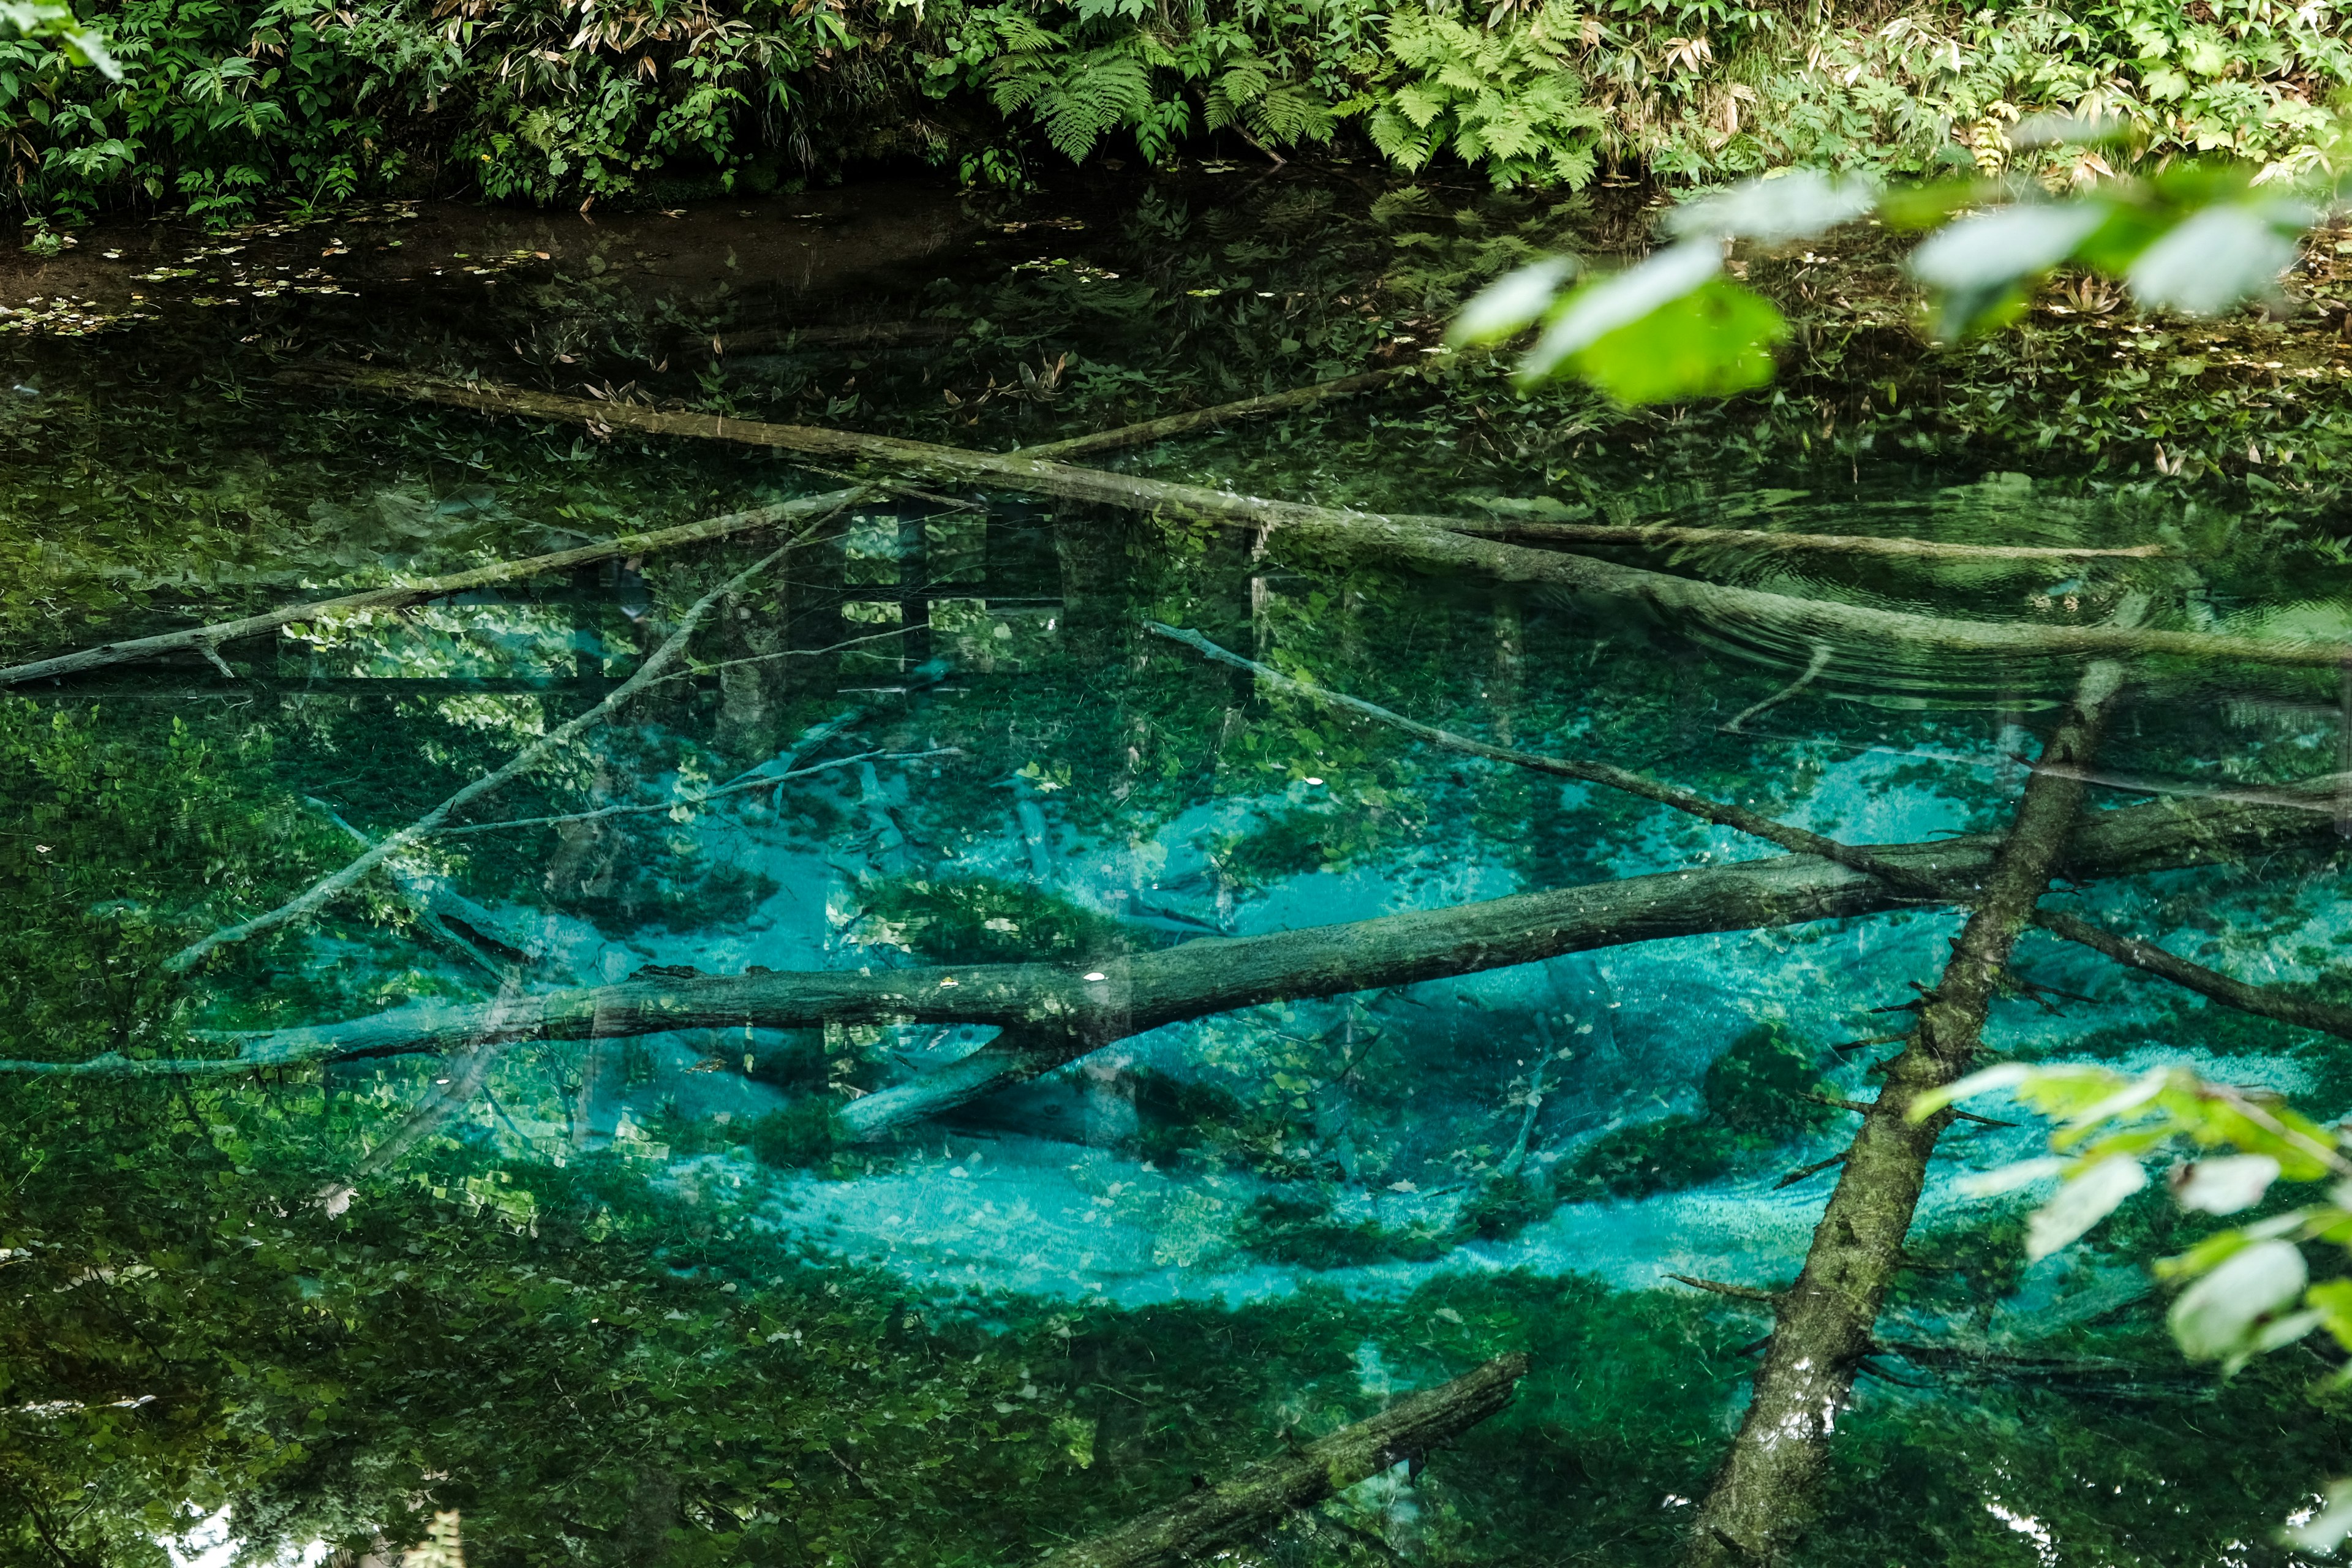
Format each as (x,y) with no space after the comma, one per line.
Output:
(631,1297)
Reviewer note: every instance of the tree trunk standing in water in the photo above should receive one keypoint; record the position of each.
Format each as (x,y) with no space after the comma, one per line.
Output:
(1765,1493)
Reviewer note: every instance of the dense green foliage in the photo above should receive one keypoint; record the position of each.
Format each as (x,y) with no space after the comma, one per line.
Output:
(228,103)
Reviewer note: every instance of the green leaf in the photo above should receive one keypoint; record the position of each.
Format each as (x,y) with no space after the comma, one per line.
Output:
(1604,306)
(2225,1185)
(2224,1311)
(1978,263)
(1712,341)
(2090,1193)
(1510,302)
(2213,260)
(1786,206)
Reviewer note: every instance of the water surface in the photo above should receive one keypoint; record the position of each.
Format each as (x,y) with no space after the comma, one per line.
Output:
(619,1299)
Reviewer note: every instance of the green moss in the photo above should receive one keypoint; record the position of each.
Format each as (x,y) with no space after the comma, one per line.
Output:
(1755,1095)
(978,920)
(1301,1230)
(805,1132)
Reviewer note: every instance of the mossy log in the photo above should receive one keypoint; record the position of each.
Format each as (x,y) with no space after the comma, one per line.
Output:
(1233,1510)
(207,640)
(1176,425)
(1435,545)
(1677,536)
(1063,1011)
(1824,1325)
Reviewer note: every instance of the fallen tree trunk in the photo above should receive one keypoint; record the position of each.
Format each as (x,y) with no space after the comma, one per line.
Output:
(1222,413)
(1430,543)
(1128,996)
(1261,1496)
(531,756)
(1824,1326)
(206,640)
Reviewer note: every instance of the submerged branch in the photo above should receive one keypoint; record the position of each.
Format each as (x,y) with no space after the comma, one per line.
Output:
(1222,413)
(1068,1012)
(1740,1292)
(530,757)
(764,781)
(1261,1496)
(206,640)
(1429,544)
(2269,1001)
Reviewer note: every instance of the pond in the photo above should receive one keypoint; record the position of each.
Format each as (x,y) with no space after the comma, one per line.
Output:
(944,1031)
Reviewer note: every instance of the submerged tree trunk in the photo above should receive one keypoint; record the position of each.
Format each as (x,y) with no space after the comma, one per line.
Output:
(1262,1495)
(1766,1492)
(1062,1011)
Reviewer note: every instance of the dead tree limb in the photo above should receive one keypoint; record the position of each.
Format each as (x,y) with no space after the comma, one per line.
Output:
(765,781)
(1742,1292)
(2269,1001)
(1429,543)
(1264,1494)
(1067,1012)
(530,757)
(206,640)
(1673,536)
(1767,1490)
(1222,413)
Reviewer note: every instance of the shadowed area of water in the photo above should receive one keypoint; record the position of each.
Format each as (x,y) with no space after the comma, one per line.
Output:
(646,1294)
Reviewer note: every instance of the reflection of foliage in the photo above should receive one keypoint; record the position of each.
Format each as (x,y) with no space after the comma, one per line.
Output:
(682,892)
(119,847)
(1755,1103)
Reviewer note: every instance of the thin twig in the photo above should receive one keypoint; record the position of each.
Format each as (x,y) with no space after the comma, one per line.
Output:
(1224,412)
(1755,824)
(1819,662)
(764,781)
(2268,1001)
(206,640)
(1815,1169)
(1744,1292)
(1858,1109)
(1662,534)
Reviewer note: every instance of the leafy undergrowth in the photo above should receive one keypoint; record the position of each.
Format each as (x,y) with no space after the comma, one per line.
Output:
(224,108)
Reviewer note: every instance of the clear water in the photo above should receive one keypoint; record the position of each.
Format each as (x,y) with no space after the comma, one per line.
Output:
(602,1300)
